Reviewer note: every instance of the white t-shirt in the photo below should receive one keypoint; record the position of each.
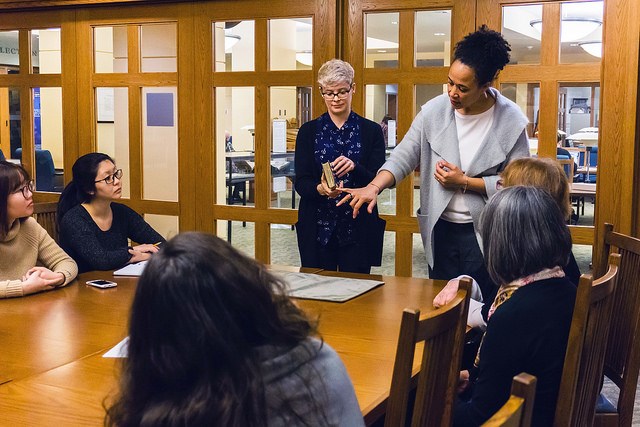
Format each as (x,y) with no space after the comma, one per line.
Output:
(472,130)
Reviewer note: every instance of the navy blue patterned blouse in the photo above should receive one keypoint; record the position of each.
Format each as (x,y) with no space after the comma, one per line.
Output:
(331,143)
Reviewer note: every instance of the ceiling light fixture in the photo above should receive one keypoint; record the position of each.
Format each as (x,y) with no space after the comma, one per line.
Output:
(572,29)
(230,40)
(592,48)
(305,57)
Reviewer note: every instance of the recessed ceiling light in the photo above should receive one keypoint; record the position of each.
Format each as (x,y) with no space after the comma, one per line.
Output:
(529,47)
(394,22)
(438,34)
(382,51)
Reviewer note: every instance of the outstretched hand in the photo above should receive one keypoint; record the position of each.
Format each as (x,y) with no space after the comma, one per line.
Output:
(356,197)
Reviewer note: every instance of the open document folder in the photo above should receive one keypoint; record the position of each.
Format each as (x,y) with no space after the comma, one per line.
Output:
(325,288)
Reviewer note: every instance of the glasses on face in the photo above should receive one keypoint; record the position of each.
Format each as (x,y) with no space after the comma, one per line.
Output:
(341,94)
(111,179)
(26,189)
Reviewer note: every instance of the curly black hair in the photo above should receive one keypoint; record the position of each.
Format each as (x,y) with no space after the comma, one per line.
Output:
(484,50)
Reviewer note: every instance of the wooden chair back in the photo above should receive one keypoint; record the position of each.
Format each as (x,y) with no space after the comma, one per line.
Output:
(46,214)
(442,331)
(622,358)
(518,410)
(584,359)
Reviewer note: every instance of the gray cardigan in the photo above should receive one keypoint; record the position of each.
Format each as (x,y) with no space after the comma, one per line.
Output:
(433,137)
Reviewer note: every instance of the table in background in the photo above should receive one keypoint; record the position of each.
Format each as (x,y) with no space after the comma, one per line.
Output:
(53,372)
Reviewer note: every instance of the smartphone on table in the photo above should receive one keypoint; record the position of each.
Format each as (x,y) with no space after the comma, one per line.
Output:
(102,284)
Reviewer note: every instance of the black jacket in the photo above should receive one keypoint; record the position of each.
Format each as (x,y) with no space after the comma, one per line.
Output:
(369,227)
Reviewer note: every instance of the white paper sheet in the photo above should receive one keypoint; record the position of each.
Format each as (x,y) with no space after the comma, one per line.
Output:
(131,269)
(120,350)
(325,288)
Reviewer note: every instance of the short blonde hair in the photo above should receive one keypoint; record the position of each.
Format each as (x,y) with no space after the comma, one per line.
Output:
(543,173)
(335,71)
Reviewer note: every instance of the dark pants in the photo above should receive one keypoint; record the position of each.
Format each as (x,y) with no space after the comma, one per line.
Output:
(348,258)
(456,252)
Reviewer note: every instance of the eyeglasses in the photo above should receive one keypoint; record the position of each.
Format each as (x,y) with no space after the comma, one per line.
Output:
(341,94)
(26,189)
(111,179)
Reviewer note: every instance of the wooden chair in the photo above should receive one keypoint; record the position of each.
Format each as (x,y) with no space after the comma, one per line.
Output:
(622,358)
(582,371)
(442,332)
(46,214)
(518,410)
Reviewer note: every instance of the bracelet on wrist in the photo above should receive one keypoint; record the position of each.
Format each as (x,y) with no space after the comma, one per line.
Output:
(466,184)
(371,183)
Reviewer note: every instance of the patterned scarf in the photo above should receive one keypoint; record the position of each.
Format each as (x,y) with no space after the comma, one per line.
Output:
(331,143)
(505,292)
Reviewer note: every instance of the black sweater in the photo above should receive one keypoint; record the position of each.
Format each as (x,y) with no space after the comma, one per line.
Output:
(527,333)
(94,249)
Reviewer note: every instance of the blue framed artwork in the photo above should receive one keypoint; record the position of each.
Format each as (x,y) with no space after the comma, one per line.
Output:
(160,109)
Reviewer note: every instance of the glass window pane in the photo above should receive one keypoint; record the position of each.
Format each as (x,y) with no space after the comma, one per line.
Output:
(9,52)
(521,26)
(284,245)
(382,40)
(165,225)
(581,32)
(420,268)
(381,106)
(10,136)
(112,129)
(234,45)
(234,145)
(47,137)
(290,108)
(290,44)
(433,38)
(45,51)
(110,49)
(160,143)
(158,48)
(241,235)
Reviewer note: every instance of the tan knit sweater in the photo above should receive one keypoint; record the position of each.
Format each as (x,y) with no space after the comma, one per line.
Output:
(26,246)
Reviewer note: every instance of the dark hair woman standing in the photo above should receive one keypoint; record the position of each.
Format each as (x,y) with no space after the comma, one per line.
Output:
(461,141)
(94,230)
(214,340)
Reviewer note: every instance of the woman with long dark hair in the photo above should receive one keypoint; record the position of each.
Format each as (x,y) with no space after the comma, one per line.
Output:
(30,261)
(214,340)
(94,229)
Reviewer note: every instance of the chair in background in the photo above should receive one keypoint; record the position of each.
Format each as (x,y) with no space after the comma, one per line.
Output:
(2,157)
(442,332)
(45,170)
(584,359)
(47,216)
(518,410)
(622,358)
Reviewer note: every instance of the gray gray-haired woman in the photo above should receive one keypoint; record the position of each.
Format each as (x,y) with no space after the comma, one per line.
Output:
(526,242)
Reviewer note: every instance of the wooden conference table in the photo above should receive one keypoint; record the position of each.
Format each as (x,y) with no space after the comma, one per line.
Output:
(52,372)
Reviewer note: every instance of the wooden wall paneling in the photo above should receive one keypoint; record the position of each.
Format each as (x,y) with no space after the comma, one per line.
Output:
(550,41)
(354,50)
(463,20)
(69,92)
(135,115)
(548,119)
(84,94)
(262,147)
(617,188)
(204,108)
(188,148)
